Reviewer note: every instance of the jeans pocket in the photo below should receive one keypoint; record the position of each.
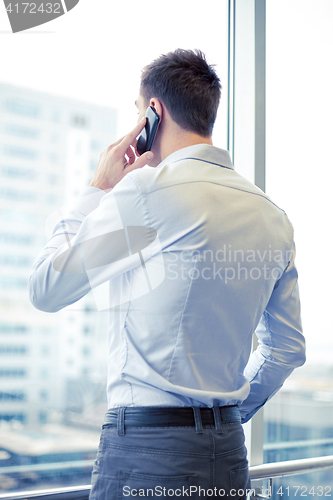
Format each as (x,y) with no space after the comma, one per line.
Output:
(133,485)
(240,483)
(97,468)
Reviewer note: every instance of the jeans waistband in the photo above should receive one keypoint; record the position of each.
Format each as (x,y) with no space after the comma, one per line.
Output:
(171,416)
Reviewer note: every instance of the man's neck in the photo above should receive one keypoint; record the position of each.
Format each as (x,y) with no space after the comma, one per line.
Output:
(180,141)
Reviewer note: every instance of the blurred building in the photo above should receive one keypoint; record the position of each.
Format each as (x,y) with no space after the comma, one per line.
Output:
(49,150)
(51,456)
(297,425)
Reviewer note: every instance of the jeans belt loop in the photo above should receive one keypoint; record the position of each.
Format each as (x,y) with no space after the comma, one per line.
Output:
(218,420)
(197,420)
(121,421)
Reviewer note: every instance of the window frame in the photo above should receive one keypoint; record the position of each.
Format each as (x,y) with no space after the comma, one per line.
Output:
(249,80)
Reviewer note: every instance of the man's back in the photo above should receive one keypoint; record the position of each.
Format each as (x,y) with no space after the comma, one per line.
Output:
(196,259)
(224,246)
(181,330)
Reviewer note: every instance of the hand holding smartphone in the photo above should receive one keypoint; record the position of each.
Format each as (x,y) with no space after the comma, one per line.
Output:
(146,138)
(118,159)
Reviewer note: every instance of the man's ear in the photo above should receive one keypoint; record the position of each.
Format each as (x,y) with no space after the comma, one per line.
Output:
(157,105)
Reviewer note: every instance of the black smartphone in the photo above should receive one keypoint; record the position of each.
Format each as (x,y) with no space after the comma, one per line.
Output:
(146,138)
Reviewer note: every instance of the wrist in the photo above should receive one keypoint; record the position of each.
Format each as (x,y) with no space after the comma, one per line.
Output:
(100,184)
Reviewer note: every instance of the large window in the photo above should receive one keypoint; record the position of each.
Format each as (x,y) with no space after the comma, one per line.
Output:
(299,419)
(66,95)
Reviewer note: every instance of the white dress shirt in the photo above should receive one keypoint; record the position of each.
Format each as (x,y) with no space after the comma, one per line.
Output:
(190,258)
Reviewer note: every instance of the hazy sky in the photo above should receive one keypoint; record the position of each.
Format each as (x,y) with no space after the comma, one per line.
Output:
(97,50)
(298,140)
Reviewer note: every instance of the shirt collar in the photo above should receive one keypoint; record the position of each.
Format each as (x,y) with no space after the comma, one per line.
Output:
(204,152)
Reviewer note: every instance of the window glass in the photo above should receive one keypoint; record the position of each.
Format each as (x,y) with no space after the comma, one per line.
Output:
(21,107)
(19,152)
(299,419)
(11,171)
(77,84)
(19,131)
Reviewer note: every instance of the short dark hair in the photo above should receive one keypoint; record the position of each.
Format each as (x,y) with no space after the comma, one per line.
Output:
(187,85)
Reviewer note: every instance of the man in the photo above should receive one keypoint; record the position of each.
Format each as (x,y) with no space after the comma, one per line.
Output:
(197,258)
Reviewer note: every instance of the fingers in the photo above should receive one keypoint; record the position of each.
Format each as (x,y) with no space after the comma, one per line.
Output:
(109,148)
(140,162)
(131,155)
(129,139)
(122,146)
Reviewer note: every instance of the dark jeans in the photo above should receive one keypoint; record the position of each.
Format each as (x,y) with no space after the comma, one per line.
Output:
(171,462)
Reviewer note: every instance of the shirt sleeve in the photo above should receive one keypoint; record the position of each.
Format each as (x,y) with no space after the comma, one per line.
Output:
(281,343)
(88,247)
